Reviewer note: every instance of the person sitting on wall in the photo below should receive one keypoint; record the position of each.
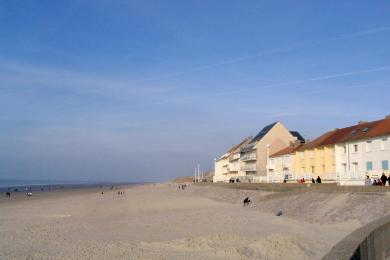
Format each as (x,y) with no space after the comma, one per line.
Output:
(318,179)
(367,181)
(312,180)
(383,179)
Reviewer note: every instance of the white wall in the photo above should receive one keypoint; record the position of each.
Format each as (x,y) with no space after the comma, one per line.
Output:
(353,165)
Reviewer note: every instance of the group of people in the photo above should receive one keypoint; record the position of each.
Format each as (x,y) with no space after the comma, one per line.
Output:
(379,182)
(318,180)
(182,186)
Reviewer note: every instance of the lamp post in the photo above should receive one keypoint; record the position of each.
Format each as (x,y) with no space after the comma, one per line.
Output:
(267,163)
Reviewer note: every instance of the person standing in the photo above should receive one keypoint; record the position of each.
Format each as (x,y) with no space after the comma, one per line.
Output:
(383,179)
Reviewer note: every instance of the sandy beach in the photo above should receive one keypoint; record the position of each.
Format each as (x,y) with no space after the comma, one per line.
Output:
(161,222)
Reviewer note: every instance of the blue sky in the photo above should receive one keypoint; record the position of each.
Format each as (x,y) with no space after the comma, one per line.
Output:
(144,90)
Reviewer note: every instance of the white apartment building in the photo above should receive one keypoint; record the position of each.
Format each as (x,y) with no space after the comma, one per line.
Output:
(365,151)
(281,163)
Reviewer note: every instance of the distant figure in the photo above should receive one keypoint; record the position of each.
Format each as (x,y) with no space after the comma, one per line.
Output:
(29,194)
(8,194)
(16,190)
(318,179)
(279,213)
(388,179)
(367,182)
(374,183)
(284,181)
(238,180)
(247,201)
(383,179)
(303,180)
(102,192)
(312,180)
(379,182)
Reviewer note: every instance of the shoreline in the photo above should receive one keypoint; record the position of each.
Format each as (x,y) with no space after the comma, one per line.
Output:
(57,191)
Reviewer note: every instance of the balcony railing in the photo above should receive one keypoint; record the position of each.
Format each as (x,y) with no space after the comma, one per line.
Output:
(249,157)
(234,157)
(248,168)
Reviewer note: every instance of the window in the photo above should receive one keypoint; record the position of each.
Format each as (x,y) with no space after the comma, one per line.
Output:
(356,148)
(344,167)
(312,169)
(301,155)
(311,154)
(368,146)
(383,143)
(355,167)
(385,165)
(323,168)
(369,166)
(345,149)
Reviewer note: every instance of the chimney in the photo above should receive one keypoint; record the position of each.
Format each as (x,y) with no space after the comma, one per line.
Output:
(362,122)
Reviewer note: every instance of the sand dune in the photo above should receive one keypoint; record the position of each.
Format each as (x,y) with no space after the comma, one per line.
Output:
(161,222)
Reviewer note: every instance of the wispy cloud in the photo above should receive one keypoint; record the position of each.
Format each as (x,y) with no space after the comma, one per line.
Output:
(275,85)
(269,52)
(17,74)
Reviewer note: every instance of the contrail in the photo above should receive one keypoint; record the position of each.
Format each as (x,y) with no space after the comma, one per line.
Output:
(276,85)
(269,52)
(320,78)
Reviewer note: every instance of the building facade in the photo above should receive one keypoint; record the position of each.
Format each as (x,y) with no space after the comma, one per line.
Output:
(364,151)
(255,155)
(281,163)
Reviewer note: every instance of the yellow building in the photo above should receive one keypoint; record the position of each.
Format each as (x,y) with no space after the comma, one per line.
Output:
(317,158)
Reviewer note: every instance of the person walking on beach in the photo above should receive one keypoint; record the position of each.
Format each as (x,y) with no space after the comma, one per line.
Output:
(383,179)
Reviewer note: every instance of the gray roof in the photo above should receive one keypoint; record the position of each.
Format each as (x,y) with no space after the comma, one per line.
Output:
(298,136)
(263,132)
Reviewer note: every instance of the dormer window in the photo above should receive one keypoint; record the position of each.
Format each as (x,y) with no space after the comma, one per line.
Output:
(365,129)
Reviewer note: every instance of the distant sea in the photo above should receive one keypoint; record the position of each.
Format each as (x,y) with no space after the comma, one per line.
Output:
(42,185)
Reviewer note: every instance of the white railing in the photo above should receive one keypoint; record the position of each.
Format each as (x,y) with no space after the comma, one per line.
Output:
(249,157)
(234,156)
(248,167)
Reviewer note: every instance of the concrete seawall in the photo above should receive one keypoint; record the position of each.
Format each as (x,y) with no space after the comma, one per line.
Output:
(369,242)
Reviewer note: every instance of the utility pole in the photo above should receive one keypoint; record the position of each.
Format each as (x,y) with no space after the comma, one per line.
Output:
(198,173)
(267,163)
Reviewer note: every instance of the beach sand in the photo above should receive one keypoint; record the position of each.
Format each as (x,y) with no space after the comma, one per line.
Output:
(158,221)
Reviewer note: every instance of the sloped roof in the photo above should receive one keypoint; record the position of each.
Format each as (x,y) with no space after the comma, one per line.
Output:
(352,133)
(263,132)
(298,136)
(288,150)
(238,146)
(235,148)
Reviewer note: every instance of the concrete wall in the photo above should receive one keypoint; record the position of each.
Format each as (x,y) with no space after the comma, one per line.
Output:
(369,242)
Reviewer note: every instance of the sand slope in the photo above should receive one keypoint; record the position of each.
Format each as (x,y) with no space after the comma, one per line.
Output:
(161,222)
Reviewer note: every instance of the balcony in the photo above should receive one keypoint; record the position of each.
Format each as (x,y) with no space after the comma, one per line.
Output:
(249,157)
(234,157)
(233,168)
(249,168)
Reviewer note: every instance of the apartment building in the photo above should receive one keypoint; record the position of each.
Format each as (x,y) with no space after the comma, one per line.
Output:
(363,151)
